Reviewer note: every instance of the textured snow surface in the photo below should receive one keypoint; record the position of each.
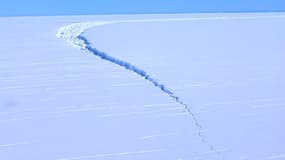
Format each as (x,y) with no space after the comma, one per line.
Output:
(63,103)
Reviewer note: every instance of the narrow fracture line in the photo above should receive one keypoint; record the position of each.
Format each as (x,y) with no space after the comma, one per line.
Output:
(147,77)
(73,35)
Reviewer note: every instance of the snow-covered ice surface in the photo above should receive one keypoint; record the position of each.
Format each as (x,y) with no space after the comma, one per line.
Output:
(63,103)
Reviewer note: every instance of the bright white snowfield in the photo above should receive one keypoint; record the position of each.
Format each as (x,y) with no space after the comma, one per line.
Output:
(143,87)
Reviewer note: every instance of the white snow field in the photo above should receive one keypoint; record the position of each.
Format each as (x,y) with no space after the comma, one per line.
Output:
(143,87)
